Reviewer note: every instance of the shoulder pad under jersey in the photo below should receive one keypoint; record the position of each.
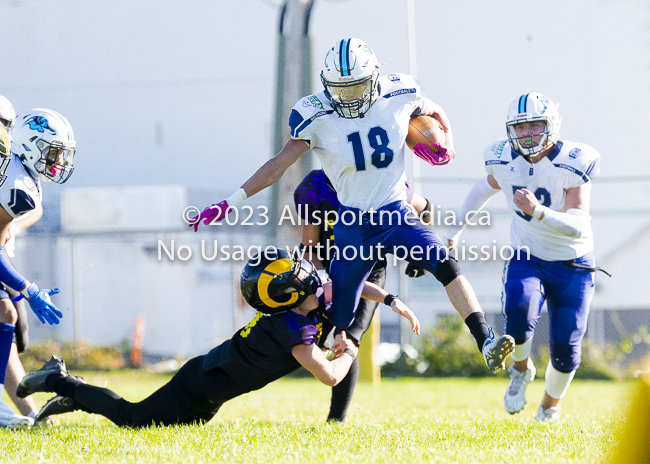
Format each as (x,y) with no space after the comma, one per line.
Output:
(393,85)
(20,193)
(305,112)
(578,158)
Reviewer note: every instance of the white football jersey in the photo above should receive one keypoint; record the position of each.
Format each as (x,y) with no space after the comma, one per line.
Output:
(20,193)
(363,157)
(569,165)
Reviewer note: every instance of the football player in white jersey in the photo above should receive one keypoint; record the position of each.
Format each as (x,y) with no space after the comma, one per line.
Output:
(15,370)
(547,183)
(42,147)
(357,127)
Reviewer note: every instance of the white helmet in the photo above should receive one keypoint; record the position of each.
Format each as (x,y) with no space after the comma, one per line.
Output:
(528,108)
(7,113)
(350,76)
(44,142)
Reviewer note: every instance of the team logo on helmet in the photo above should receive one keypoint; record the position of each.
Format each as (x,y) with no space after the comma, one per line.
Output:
(39,123)
(274,281)
(544,101)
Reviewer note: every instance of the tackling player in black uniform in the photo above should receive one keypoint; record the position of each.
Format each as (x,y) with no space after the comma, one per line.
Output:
(283,336)
(317,203)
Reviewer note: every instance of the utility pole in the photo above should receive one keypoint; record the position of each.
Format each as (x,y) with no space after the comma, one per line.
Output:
(293,83)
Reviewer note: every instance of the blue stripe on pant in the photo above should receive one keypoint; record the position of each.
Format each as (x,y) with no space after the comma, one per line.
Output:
(568,293)
(349,272)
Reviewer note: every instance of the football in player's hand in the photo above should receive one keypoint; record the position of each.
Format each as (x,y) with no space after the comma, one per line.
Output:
(427,130)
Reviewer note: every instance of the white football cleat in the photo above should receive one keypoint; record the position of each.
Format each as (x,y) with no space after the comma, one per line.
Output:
(496,351)
(10,419)
(548,415)
(515,397)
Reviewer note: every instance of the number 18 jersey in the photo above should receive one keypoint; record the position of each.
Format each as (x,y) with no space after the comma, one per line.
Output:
(363,157)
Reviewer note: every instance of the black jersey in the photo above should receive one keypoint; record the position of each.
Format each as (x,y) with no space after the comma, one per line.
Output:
(260,352)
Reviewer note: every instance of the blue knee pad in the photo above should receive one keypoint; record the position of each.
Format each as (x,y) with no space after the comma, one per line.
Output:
(565,357)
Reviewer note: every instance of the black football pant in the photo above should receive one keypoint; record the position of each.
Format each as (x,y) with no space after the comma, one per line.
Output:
(182,400)
(342,393)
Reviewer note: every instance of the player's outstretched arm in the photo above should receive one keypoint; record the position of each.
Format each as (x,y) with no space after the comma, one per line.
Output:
(39,299)
(329,372)
(273,169)
(267,175)
(475,201)
(375,293)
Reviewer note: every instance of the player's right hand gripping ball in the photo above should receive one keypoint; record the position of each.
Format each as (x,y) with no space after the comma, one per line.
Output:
(426,138)
(212,213)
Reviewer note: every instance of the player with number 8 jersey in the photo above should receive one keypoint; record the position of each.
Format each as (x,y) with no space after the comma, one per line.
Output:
(357,127)
(547,183)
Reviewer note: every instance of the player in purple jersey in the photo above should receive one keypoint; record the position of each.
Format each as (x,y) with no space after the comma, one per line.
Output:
(284,335)
(357,127)
(547,183)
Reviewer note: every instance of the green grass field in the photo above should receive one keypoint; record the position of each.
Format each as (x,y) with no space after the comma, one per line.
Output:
(408,420)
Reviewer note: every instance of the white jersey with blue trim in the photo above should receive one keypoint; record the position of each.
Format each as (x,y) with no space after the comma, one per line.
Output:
(20,193)
(568,165)
(363,157)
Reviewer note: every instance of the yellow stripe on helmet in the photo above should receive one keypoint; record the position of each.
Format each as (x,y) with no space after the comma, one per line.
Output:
(279,266)
(4,142)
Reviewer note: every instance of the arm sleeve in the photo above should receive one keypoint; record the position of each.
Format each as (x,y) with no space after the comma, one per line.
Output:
(476,199)
(573,223)
(8,273)
(426,107)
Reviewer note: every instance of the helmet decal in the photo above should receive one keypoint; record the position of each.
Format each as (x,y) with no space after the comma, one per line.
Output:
(544,101)
(344,56)
(39,123)
(522,103)
(276,267)
(274,281)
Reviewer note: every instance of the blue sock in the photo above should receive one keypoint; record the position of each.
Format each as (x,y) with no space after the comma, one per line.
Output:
(6,339)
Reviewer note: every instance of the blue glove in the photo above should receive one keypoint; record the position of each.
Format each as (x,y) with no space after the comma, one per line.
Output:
(41,304)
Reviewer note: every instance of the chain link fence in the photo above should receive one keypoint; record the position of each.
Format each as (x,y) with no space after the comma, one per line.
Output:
(185,284)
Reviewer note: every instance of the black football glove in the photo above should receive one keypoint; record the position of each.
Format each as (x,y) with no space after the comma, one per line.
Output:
(413,270)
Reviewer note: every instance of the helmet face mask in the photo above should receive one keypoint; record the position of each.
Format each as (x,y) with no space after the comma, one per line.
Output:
(8,124)
(44,141)
(350,77)
(5,152)
(532,108)
(56,161)
(7,113)
(273,282)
